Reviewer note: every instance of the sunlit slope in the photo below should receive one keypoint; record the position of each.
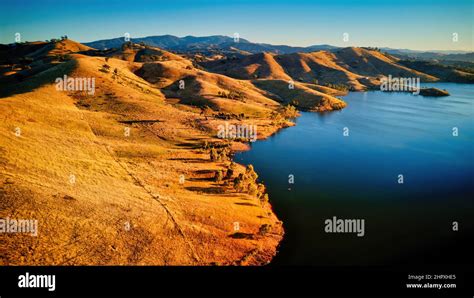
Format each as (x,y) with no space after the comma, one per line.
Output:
(104,196)
(262,65)
(301,95)
(355,68)
(194,86)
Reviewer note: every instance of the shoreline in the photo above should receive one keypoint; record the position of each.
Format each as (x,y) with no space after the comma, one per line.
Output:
(426,85)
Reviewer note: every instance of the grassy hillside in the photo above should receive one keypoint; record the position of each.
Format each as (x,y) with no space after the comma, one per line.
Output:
(133,172)
(102,196)
(352,68)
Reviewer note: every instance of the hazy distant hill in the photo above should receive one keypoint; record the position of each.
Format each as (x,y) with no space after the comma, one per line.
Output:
(432,55)
(220,43)
(206,43)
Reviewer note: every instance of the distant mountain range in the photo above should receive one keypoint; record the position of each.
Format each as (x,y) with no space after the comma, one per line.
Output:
(432,55)
(207,43)
(220,43)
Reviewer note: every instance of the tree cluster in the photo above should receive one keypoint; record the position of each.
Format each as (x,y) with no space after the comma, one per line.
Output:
(220,154)
(232,94)
(247,182)
(340,87)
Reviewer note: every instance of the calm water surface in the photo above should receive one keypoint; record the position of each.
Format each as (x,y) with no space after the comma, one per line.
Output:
(356,177)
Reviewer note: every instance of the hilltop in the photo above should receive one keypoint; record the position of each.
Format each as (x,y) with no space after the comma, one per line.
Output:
(24,60)
(226,44)
(353,68)
(206,44)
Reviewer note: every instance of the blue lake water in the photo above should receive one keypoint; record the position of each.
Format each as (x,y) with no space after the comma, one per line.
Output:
(357,177)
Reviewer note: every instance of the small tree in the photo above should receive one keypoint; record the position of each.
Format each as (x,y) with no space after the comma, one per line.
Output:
(218,176)
(264,229)
(239,183)
(289,111)
(253,190)
(250,172)
(229,173)
(105,68)
(213,154)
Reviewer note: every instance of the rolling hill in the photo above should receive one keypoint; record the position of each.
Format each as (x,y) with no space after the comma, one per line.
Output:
(226,44)
(126,174)
(122,176)
(355,68)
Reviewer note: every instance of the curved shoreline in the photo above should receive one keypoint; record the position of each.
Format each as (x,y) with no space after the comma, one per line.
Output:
(283,242)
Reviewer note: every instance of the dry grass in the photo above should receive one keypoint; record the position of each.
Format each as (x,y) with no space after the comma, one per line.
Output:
(128,204)
(301,96)
(356,68)
(120,180)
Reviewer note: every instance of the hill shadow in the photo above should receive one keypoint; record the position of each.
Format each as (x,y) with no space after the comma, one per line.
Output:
(207,190)
(239,235)
(191,160)
(246,204)
(27,82)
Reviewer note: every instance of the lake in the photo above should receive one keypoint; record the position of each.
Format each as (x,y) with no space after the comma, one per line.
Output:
(357,177)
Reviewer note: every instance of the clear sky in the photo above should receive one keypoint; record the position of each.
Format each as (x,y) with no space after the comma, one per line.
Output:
(420,25)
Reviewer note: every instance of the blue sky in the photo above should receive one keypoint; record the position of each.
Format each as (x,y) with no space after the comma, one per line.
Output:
(413,24)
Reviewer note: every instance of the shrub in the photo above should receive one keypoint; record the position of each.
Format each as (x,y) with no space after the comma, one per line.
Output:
(264,229)
(340,87)
(105,68)
(250,172)
(213,154)
(218,176)
(239,183)
(288,112)
(253,190)
(233,94)
(229,174)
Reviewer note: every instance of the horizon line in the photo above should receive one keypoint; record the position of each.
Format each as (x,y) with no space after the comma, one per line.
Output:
(266,43)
